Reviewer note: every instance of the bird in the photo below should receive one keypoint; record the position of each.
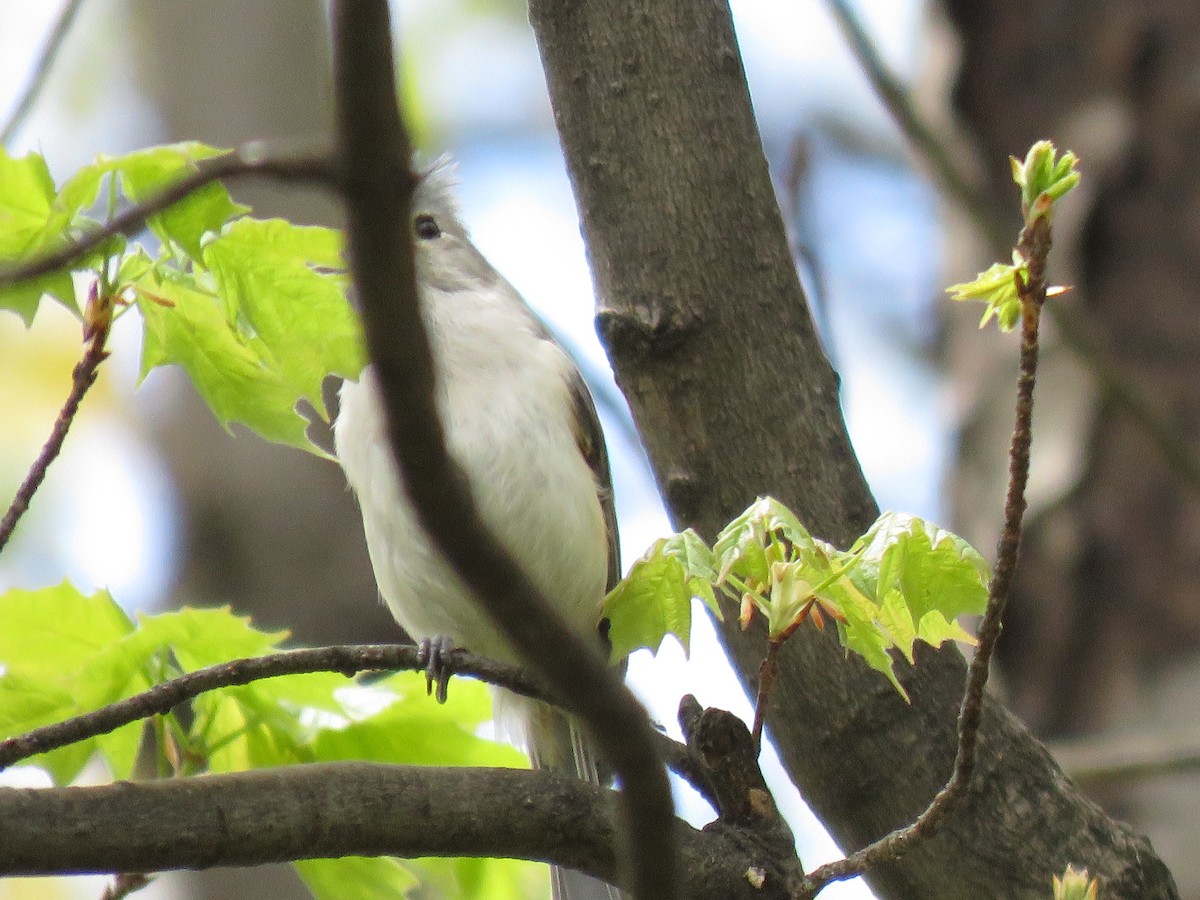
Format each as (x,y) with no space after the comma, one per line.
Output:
(521,423)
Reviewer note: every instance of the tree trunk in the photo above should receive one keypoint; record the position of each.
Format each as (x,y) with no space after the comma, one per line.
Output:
(710,335)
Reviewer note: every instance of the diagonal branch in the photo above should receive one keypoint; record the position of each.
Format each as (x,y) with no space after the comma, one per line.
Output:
(83,376)
(1114,383)
(1034,247)
(377,189)
(896,98)
(41,71)
(254,159)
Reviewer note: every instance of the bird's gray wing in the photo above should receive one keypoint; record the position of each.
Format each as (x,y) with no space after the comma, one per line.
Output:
(590,438)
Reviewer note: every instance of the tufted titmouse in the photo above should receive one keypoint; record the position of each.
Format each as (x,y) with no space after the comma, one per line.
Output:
(520,422)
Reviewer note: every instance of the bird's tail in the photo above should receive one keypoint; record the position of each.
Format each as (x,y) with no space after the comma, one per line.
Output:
(555,742)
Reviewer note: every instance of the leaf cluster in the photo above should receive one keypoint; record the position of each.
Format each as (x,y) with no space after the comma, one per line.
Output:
(1044,178)
(253,310)
(64,653)
(905,580)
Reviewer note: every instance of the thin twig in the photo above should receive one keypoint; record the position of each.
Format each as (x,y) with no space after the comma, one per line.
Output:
(897,100)
(164,697)
(1113,382)
(1034,246)
(41,71)
(82,378)
(251,159)
(377,190)
(348,660)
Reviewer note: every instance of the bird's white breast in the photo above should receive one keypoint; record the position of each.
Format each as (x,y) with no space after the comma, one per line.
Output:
(508,416)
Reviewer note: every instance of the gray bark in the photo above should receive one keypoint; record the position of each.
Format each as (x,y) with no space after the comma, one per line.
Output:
(339,809)
(709,333)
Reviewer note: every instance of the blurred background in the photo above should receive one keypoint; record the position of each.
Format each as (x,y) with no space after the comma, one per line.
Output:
(152,499)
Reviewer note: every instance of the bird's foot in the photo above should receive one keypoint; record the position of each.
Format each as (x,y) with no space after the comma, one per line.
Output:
(433,653)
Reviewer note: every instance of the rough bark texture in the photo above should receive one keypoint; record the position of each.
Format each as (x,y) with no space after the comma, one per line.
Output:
(1103,624)
(710,335)
(339,809)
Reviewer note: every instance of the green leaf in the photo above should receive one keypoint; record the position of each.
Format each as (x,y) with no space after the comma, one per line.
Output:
(909,582)
(932,569)
(483,878)
(1075,884)
(269,274)
(1044,177)
(357,878)
(655,598)
(233,736)
(998,289)
(53,629)
(700,565)
(740,548)
(26,202)
(146,173)
(32,701)
(31,225)
(411,729)
(64,654)
(206,637)
(233,372)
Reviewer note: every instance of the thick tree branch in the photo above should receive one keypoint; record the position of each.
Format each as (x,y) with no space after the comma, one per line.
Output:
(728,755)
(377,189)
(251,159)
(340,809)
(705,321)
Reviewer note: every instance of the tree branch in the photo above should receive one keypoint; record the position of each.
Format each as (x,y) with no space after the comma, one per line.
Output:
(83,376)
(701,309)
(253,159)
(348,660)
(1034,247)
(898,101)
(377,189)
(1114,758)
(41,71)
(326,810)
(728,755)
(1114,382)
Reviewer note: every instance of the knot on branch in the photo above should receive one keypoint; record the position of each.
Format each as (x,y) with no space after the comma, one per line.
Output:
(724,752)
(639,331)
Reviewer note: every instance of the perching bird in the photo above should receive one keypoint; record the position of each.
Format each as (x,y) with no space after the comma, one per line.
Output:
(520,422)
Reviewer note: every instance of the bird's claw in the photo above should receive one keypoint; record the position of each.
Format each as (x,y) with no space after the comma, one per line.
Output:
(432,654)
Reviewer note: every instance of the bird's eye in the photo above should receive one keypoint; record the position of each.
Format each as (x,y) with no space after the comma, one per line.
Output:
(426,227)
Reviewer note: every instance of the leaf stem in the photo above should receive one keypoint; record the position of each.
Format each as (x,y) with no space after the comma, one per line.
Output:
(1034,246)
(766,678)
